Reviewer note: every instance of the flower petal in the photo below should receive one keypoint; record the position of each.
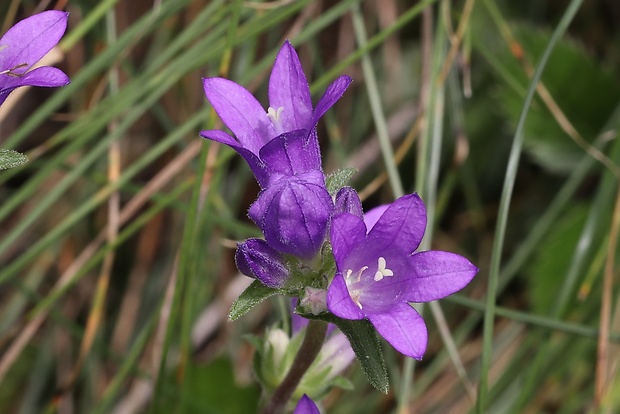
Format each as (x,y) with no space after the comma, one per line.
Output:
(288,89)
(45,76)
(256,165)
(290,154)
(437,274)
(347,201)
(240,111)
(30,39)
(372,215)
(339,300)
(331,96)
(347,232)
(401,227)
(254,258)
(306,406)
(403,327)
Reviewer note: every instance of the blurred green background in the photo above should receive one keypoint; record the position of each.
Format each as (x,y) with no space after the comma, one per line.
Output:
(117,238)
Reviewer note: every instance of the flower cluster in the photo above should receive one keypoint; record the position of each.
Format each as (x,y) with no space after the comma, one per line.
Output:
(282,149)
(375,269)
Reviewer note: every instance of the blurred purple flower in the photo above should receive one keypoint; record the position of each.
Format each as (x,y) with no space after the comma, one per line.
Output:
(378,272)
(306,406)
(25,44)
(290,109)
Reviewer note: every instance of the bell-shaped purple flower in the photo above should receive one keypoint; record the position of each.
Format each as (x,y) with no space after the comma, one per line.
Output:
(290,109)
(23,45)
(379,272)
(293,214)
(254,258)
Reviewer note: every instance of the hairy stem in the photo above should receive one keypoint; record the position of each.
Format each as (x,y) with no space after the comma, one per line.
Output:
(310,348)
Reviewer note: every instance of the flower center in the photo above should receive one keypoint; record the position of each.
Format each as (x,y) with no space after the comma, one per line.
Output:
(356,285)
(274,116)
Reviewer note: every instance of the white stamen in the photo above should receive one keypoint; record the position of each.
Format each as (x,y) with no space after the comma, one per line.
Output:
(382,270)
(355,294)
(359,274)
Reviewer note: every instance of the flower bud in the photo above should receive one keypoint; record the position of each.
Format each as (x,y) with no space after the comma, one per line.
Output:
(256,259)
(293,214)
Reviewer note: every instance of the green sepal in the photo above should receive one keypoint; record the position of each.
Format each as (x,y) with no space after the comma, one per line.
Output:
(365,343)
(251,296)
(338,179)
(11,159)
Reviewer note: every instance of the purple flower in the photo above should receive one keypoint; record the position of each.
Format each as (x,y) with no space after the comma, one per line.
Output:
(24,45)
(256,259)
(306,406)
(378,272)
(290,109)
(293,214)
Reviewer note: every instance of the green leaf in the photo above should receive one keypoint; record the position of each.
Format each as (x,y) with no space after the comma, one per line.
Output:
(367,348)
(338,179)
(365,343)
(11,159)
(586,92)
(546,272)
(252,296)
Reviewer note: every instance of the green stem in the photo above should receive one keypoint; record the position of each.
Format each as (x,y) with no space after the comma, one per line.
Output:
(309,350)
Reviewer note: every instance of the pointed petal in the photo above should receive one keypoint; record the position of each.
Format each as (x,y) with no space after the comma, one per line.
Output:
(339,301)
(403,327)
(347,231)
(401,227)
(240,112)
(256,165)
(372,215)
(30,39)
(306,406)
(45,76)
(290,154)
(288,89)
(254,258)
(331,96)
(347,201)
(436,274)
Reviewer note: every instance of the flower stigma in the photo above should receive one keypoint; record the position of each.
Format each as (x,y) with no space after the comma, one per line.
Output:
(274,117)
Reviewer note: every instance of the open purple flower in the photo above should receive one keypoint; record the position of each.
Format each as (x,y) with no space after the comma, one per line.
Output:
(379,272)
(306,406)
(25,44)
(290,109)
